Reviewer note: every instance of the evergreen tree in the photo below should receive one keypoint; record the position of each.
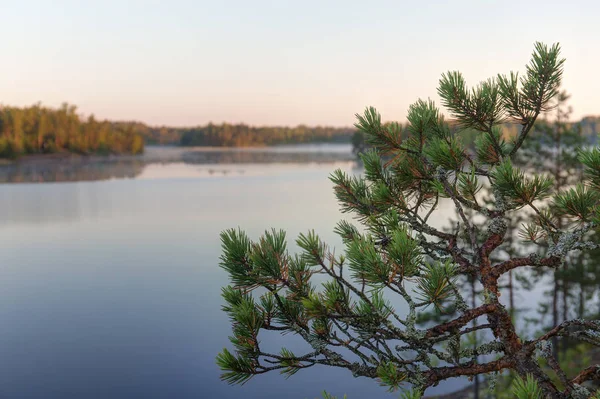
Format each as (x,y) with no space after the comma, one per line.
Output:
(349,320)
(554,145)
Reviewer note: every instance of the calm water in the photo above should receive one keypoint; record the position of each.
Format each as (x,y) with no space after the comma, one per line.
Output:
(111,289)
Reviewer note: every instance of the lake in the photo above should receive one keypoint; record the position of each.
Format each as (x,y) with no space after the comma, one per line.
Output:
(111,288)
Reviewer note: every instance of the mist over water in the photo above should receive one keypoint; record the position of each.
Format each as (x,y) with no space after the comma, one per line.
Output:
(171,161)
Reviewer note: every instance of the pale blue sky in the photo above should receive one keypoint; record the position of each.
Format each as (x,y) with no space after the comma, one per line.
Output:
(181,62)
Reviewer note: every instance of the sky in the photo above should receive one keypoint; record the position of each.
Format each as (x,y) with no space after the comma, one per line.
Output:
(183,63)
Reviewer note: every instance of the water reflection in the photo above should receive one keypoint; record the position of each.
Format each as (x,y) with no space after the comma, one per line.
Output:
(64,203)
(112,290)
(65,171)
(76,168)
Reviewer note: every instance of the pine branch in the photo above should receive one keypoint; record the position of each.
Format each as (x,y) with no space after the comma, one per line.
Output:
(347,317)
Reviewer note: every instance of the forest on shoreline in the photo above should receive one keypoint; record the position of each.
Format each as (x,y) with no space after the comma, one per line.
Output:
(39,129)
(240,135)
(43,130)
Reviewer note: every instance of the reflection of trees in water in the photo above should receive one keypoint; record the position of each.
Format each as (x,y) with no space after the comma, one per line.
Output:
(60,171)
(46,169)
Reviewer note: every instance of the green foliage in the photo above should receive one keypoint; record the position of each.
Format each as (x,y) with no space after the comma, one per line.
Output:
(235,257)
(532,232)
(38,129)
(484,144)
(435,283)
(266,256)
(579,202)
(347,231)
(555,146)
(469,185)
(478,108)
(352,193)
(384,138)
(526,388)
(314,250)
(7,148)
(326,395)
(425,121)
(539,85)
(591,160)
(448,153)
(241,135)
(246,318)
(373,309)
(137,145)
(43,130)
(236,369)
(367,264)
(519,189)
(289,362)
(389,376)
(571,361)
(490,147)
(412,394)
(543,75)
(374,169)
(404,253)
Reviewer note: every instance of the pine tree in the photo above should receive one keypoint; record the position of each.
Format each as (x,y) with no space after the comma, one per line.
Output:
(554,144)
(349,321)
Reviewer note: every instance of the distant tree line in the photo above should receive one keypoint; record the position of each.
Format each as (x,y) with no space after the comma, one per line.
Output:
(237,135)
(240,135)
(158,135)
(43,130)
